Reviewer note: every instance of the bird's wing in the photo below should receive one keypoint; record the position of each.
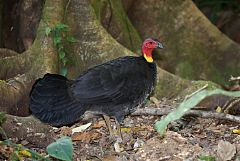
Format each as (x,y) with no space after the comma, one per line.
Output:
(110,82)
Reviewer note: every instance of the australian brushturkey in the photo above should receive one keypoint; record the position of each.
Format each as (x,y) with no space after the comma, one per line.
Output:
(114,89)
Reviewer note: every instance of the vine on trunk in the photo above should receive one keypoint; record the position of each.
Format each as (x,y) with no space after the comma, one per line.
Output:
(61,38)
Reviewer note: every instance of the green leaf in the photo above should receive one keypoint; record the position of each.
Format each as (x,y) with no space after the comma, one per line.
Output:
(61,149)
(63,71)
(67,50)
(207,158)
(60,47)
(47,31)
(71,39)
(61,54)
(187,104)
(2,118)
(62,27)
(57,40)
(14,156)
(64,61)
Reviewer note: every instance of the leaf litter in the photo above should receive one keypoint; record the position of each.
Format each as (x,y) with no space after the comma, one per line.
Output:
(199,138)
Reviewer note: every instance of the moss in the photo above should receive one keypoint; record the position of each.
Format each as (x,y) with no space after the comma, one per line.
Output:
(130,37)
(43,54)
(98,5)
(169,85)
(212,86)
(185,70)
(195,86)
(2,118)
(117,23)
(2,82)
(1,24)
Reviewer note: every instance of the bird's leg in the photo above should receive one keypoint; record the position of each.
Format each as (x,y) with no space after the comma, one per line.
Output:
(108,123)
(118,126)
(119,129)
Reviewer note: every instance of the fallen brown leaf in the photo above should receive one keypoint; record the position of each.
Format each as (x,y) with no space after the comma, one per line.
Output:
(86,136)
(6,151)
(226,150)
(65,130)
(110,158)
(99,124)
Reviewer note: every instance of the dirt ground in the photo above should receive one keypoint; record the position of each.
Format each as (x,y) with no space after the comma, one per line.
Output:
(187,139)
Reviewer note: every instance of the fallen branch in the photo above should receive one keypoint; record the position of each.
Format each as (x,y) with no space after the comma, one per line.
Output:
(198,113)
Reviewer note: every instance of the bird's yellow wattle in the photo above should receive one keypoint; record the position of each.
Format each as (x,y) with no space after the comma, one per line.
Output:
(148,58)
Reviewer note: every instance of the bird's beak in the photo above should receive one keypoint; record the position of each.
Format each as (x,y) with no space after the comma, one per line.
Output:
(159,45)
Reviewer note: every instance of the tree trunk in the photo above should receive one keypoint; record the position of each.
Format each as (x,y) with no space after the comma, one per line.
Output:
(194,48)
(1,24)
(33,63)
(114,19)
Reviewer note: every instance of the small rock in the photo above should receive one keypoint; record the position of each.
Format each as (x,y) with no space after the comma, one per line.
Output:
(24,142)
(42,135)
(139,143)
(154,100)
(19,124)
(117,147)
(55,129)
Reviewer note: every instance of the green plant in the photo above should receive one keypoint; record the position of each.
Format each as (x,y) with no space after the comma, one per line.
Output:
(20,152)
(61,149)
(61,38)
(2,118)
(188,103)
(207,158)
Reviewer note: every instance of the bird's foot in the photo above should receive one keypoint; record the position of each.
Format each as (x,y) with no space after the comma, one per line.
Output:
(116,135)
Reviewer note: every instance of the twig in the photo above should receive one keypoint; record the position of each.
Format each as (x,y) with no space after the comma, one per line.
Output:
(214,115)
(152,111)
(234,78)
(65,11)
(198,113)
(200,89)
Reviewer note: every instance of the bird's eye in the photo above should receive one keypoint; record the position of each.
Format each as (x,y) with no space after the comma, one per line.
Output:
(150,42)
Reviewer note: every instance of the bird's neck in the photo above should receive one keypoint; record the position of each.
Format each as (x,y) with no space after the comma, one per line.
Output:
(147,54)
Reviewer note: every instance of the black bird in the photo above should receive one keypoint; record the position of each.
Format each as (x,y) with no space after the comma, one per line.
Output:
(113,89)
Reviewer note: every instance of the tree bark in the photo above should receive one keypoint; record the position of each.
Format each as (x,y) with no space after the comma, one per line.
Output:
(95,46)
(194,48)
(35,62)
(114,19)
(1,24)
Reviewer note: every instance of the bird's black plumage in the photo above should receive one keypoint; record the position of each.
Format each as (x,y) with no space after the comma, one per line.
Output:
(114,88)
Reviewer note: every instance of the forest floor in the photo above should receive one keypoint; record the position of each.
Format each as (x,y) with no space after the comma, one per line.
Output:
(192,139)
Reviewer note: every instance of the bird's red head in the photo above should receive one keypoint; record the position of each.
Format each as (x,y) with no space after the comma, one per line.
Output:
(148,46)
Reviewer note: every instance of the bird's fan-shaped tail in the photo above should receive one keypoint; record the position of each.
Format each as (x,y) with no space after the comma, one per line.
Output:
(51,101)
